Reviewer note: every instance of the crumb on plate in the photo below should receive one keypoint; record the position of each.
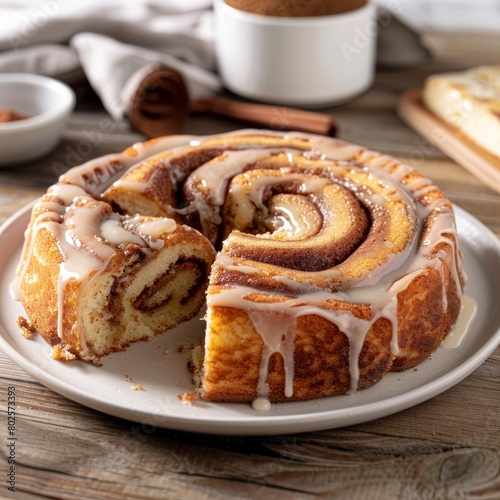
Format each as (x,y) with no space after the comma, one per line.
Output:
(60,353)
(188,398)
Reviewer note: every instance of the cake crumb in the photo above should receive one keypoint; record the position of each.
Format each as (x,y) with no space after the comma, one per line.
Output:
(180,348)
(27,329)
(165,352)
(188,398)
(60,353)
(128,378)
(138,387)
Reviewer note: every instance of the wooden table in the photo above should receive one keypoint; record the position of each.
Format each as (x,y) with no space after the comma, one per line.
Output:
(448,447)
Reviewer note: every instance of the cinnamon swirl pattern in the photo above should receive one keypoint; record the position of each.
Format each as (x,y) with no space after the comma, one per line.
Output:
(335,264)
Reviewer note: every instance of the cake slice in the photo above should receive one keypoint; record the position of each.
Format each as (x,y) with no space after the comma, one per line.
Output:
(470,102)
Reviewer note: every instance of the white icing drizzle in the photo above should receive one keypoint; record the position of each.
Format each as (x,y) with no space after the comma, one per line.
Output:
(210,182)
(261,404)
(150,230)
(113,231)
(97,175)
(289,220)
(277,319)
(468,312)
(308,184)
(156,227)
(278,333)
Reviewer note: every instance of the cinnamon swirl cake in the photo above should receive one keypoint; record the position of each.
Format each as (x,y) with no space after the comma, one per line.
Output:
(335,264)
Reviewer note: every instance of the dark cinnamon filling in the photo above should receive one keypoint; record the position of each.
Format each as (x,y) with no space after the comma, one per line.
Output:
(328,253)
(186,164)
(145,301)
(114,303)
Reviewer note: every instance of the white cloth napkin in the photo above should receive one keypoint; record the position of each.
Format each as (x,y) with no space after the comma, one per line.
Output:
(458,31)
(112,41)
(112,68)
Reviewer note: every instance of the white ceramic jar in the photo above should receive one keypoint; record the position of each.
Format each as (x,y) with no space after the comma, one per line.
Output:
(302,61)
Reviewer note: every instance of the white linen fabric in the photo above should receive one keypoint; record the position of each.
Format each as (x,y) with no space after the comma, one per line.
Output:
(462,32)
(110,67)
(111,40)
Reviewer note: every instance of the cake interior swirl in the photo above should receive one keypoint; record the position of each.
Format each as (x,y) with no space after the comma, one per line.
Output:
(323,265)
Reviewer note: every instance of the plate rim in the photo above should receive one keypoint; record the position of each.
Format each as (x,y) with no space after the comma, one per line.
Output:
(262,424)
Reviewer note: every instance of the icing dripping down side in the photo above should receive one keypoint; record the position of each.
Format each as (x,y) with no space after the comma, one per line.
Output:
(85,229)
(467,314)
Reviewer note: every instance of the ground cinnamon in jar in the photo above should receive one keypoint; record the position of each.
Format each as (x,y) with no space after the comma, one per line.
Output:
(296,8)
(11,115)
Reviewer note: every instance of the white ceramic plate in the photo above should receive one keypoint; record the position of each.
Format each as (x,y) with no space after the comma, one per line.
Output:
(164,376)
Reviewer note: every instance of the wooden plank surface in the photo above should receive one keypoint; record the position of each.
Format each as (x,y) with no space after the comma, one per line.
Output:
(448,447)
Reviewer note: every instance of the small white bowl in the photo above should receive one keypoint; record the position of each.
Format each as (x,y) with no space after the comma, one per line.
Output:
(49,103)
(297,61)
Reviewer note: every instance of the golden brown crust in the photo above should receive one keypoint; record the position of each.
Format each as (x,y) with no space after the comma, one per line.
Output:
(39,287)
(321,357)
(321,352)
(423,323)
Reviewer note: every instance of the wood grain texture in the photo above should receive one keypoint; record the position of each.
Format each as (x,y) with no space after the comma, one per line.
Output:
(448,447)
(455,143)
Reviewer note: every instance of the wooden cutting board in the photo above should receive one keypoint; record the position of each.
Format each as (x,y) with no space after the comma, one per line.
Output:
(450,140)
